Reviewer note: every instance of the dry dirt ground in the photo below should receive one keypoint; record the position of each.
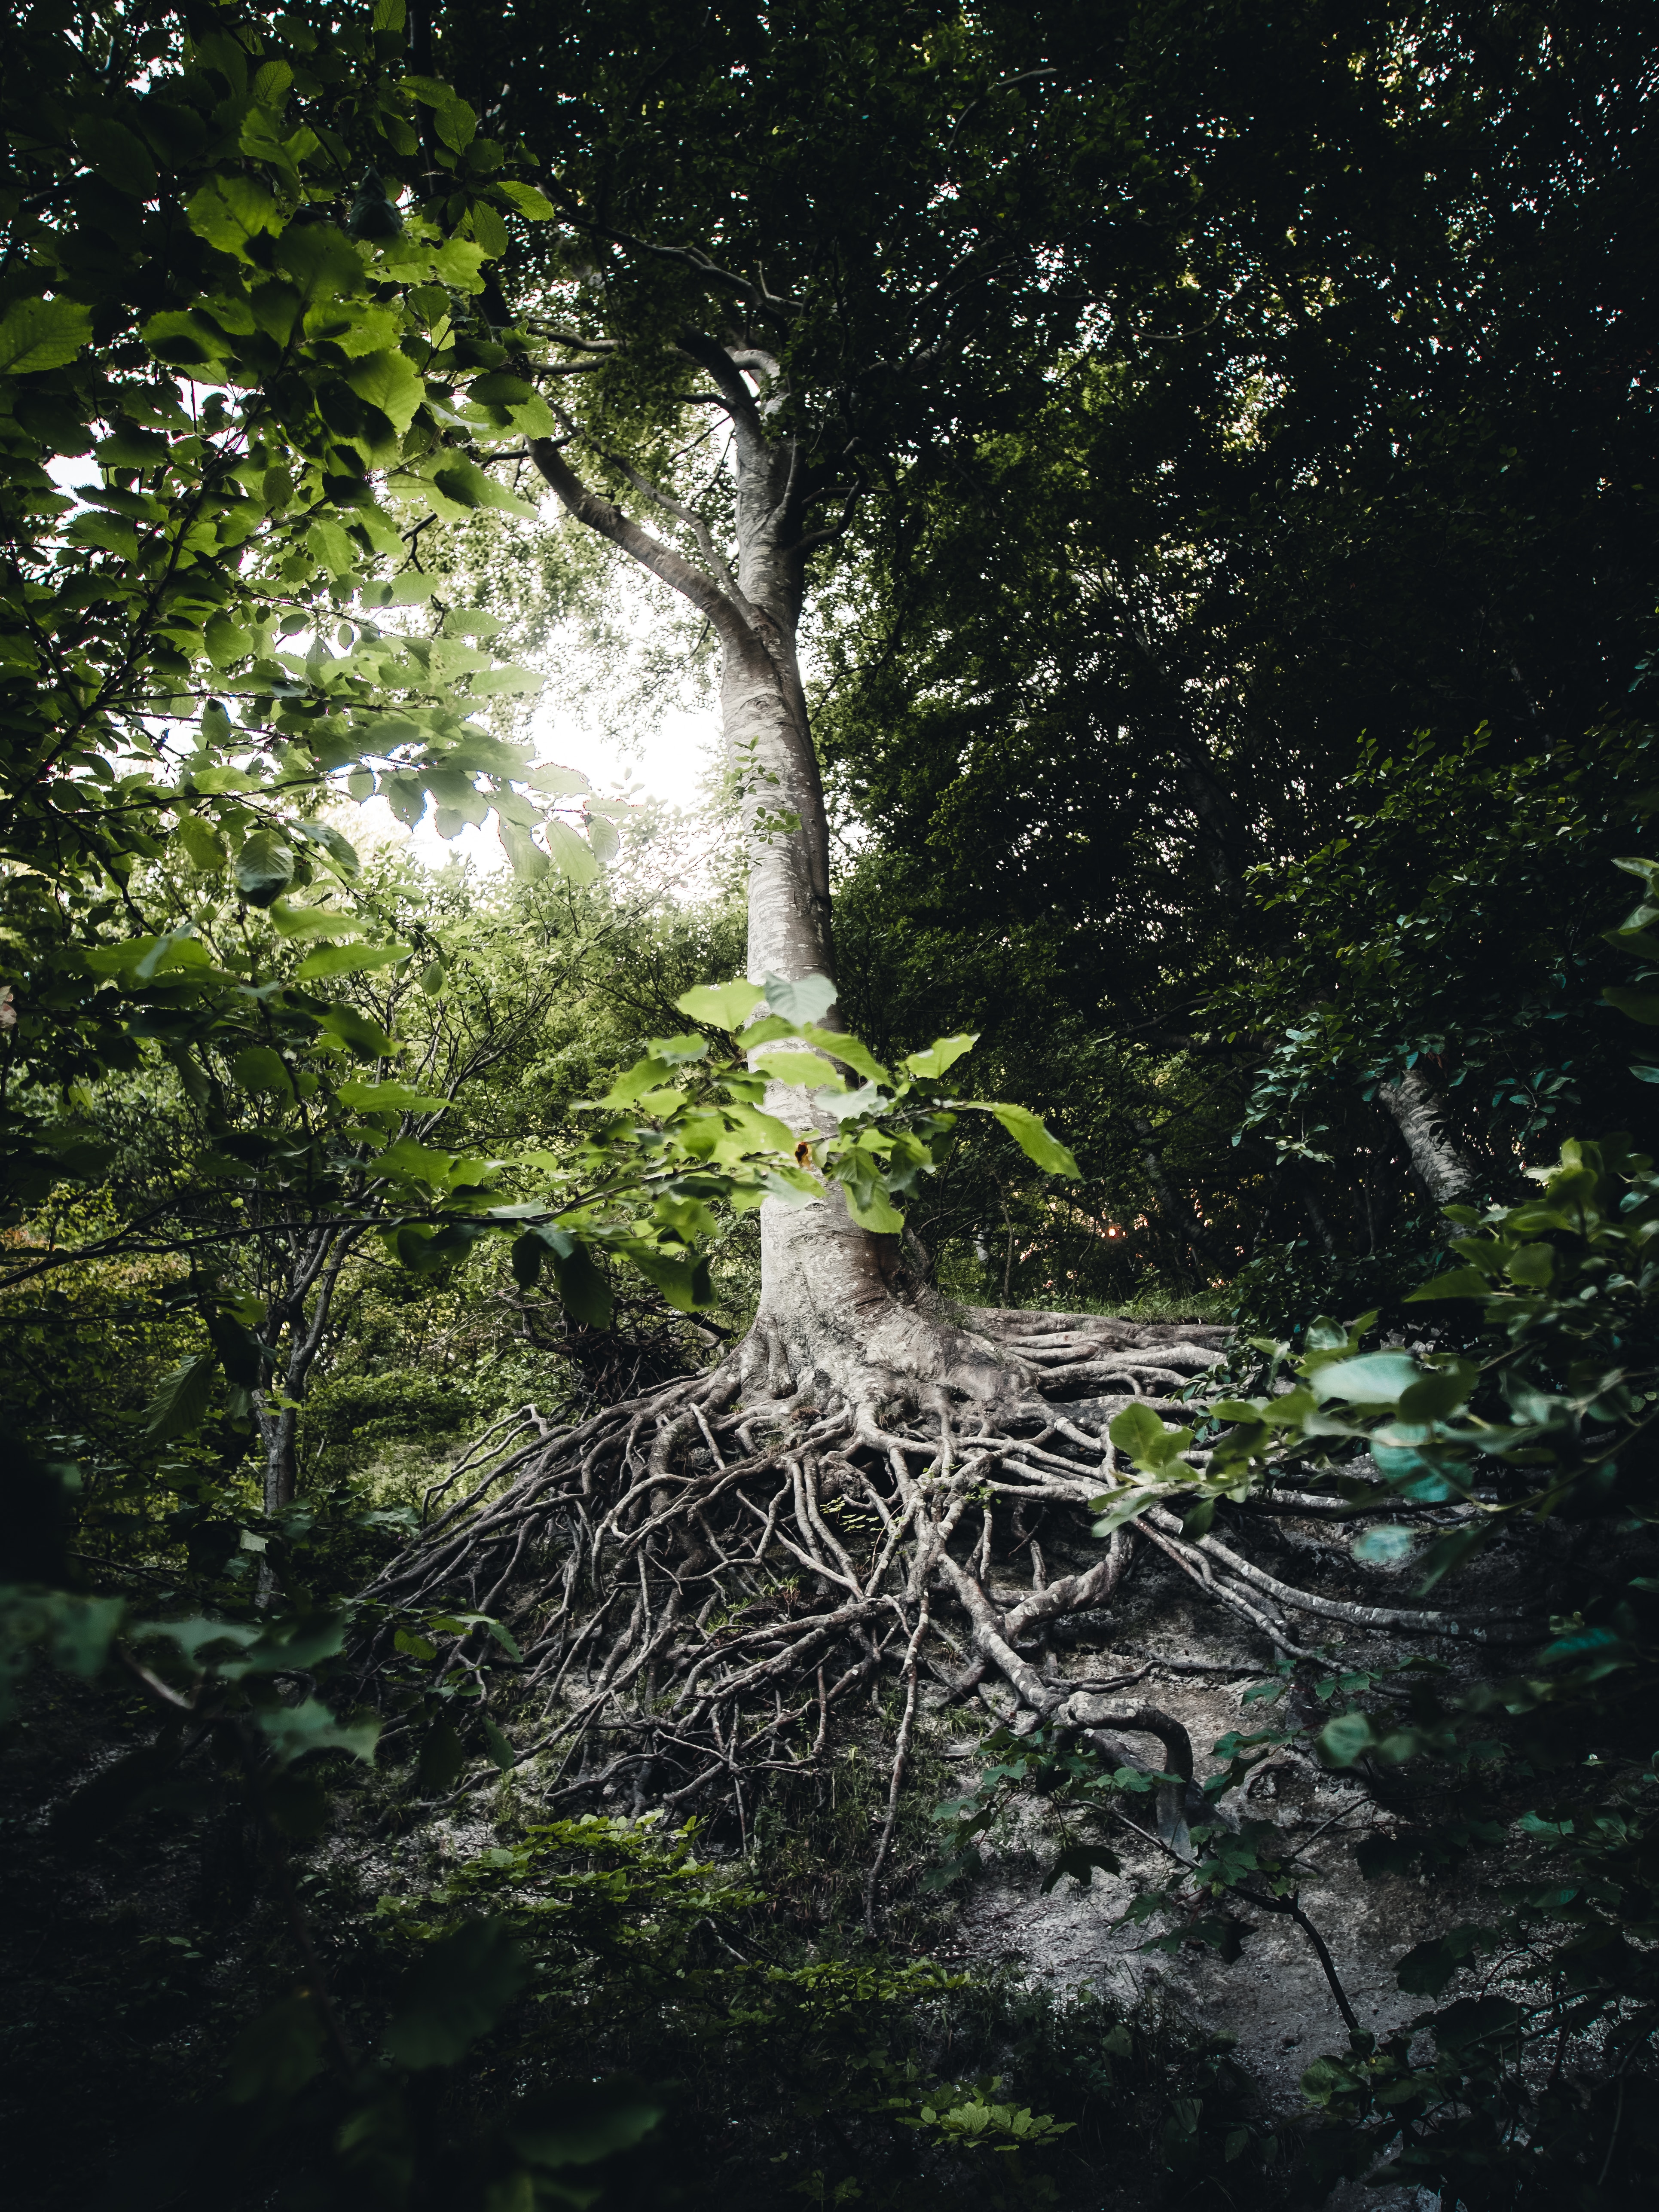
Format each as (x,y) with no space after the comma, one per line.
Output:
(1274,1999)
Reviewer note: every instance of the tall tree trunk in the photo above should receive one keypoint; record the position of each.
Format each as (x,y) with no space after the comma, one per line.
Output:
(839,1308)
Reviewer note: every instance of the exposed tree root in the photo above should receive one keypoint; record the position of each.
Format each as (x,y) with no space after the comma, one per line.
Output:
(703,1579)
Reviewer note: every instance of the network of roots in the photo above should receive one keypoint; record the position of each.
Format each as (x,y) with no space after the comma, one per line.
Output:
(704,1589)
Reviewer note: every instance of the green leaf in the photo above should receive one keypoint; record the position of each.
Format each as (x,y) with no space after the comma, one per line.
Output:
(185,339)
(428,1251)
(181,1400)
(1198,1520)
(684,1284)
(366,1039)
(439,1768)
(808,998)
(348,960)
(1079,1861)
(258,1069)
(1532,1266)
(263,868)
(314,921)
(648,1074)
(869,1206)
(390,381)
(1035,1140)
(941,1055)
(455,1624)
(1375,1378)
(357,329)
(1445,1556)
(292,1731)
(1344,1738)
(1439,1392)
(322,261)
(530,863)
(1137,1431)
(406,590)
(792,1064)
(1427,1968)
(455,125)
(562,781)
(1384,1547)
(1460,1283)
(721,1005)
(469,486)
(571,854)
(120,155)
(79,1629)
(529,1251)
(1640,1005)
(201,847)
(408,1161)
(583,1291)
(341,855)
(387,1098)
(610,2118)
(231,209)
(333,550)
(506,682)
(244,1357)
(528,201)
(455,1994)
(39,334)
(499,389)
(501,1751)
(848,1051)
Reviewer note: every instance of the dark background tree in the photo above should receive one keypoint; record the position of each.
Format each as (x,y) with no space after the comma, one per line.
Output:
(1383,464)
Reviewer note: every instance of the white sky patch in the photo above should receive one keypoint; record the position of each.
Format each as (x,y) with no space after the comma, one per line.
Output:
(673,765)
(671,759)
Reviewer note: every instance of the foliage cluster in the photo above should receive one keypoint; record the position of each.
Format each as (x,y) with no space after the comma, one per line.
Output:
(280,377)
(1533,1413)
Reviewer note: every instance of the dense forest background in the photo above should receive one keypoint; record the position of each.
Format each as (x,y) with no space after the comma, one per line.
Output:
(1224,627)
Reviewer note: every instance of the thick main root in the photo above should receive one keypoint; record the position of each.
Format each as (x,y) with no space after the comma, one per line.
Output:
(701,1581)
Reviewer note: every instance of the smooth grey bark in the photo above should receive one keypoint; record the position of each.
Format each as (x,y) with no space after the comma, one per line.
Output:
(1446,1173)
(754,608)
(837,1302)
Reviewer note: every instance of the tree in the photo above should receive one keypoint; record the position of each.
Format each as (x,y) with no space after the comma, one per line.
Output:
(942,280)
(817,316)
(906,281)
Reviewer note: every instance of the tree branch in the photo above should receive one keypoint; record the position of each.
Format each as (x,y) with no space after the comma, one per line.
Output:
(728,379)
(604,517)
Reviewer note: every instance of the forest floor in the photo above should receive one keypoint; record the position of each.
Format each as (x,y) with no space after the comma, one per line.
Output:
(133,1960)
